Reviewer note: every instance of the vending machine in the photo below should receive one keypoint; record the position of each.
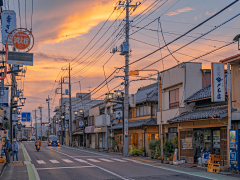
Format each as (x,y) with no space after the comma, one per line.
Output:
(234,143)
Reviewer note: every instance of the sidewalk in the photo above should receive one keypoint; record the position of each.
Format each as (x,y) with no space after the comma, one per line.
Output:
(2,166)
(18,170)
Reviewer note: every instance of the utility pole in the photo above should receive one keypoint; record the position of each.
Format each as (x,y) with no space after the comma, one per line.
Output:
(40,107)
(70,106)
(35,123)
(126,51)
(48,101)
(61,115)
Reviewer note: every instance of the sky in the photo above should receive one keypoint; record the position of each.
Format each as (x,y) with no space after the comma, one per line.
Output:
(63,31)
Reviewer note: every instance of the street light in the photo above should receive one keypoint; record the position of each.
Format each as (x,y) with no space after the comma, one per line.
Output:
(22,100)
(14,109)
(81,111)
(62,117)
(109,96)
(15,98)
(118,93)
(75,112)
(19,110)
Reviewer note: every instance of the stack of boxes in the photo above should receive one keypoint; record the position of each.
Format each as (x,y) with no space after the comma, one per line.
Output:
(214,163)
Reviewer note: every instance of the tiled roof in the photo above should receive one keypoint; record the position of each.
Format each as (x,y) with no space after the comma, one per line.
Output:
(201,113)
(201,94)
(149,122)
(145,93)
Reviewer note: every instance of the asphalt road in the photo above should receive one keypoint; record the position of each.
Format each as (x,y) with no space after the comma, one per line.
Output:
(70,163)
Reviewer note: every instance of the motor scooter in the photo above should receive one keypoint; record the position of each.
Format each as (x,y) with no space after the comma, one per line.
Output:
(37,148)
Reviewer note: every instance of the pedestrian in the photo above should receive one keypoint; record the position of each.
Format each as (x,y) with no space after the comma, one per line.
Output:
(15,148)
(8,149)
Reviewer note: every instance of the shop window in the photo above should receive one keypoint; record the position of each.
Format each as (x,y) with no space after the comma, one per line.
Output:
(147,110)
(91,121)
(172,130)
(138,111)
(174,99)
(152,137)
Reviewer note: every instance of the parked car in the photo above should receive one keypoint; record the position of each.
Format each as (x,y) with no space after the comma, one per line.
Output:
(53,141)
(24,139)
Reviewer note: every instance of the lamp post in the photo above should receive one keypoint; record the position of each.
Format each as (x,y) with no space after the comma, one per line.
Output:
(81,111)
(120,100)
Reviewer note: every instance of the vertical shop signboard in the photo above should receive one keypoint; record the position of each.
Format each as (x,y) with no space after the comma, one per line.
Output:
(126,127)
(218,82)
(187,143)
(8,24)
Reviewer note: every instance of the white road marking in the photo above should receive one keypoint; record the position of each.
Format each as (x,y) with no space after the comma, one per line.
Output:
(72,167)
(40,162)
(54,161)
(124,178)
(93,160)
(107,160)
(67,161)
(120,160)
(80,160)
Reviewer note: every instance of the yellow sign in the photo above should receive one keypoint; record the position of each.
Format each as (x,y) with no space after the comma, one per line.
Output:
(134,73)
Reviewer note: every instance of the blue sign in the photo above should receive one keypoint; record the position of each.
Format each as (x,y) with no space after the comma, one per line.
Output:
(26,117)
(233,156)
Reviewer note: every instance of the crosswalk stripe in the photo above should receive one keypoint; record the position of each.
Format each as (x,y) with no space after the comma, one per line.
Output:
(54,161)
(120,160)
(67,161)
(107,160)
(93,160)
(40,162)
(80,160)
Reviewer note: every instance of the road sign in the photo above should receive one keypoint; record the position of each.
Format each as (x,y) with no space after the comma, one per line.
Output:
(118,114)
(81,123)
(14,117)
(20,58)
(26,117)
(4,96)
(21,40)
(8,24)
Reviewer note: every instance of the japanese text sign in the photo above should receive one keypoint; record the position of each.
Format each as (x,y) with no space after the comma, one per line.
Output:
(8,24)
(21,40)
(218,82)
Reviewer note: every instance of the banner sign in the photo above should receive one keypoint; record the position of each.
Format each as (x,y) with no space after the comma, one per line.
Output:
(218,82)
(187,143)
(26,117)
(81,123)
(4,97)
(132,100)
(119,114)
(126,127)
(14,117)
(8,24)
(20,58)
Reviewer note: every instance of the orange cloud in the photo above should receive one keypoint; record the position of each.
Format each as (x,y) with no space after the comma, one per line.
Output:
(186,9)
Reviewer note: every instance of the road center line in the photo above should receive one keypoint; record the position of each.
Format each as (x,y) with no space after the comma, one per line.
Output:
(110,172)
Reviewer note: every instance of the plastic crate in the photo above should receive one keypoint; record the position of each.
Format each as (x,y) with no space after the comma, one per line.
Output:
(214,168)
(215,159)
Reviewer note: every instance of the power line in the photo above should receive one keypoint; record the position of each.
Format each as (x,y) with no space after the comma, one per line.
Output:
(19,13)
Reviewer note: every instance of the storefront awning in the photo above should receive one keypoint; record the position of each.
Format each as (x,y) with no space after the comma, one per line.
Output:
(99,130)
(77,133)
(148,122)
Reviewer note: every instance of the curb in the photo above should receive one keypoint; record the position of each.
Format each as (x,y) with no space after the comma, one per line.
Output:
(3,167)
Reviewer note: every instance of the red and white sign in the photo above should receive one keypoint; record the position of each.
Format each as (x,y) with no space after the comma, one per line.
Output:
(21,40)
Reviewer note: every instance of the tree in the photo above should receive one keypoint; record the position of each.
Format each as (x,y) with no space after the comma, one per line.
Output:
(47,133)
(6,125)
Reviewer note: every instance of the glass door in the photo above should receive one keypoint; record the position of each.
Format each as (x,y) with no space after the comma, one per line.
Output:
(216,142)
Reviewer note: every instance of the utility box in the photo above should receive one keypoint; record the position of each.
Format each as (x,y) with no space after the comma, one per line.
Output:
(234,142)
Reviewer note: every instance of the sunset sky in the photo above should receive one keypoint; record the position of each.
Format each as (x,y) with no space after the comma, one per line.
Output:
(63,28)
